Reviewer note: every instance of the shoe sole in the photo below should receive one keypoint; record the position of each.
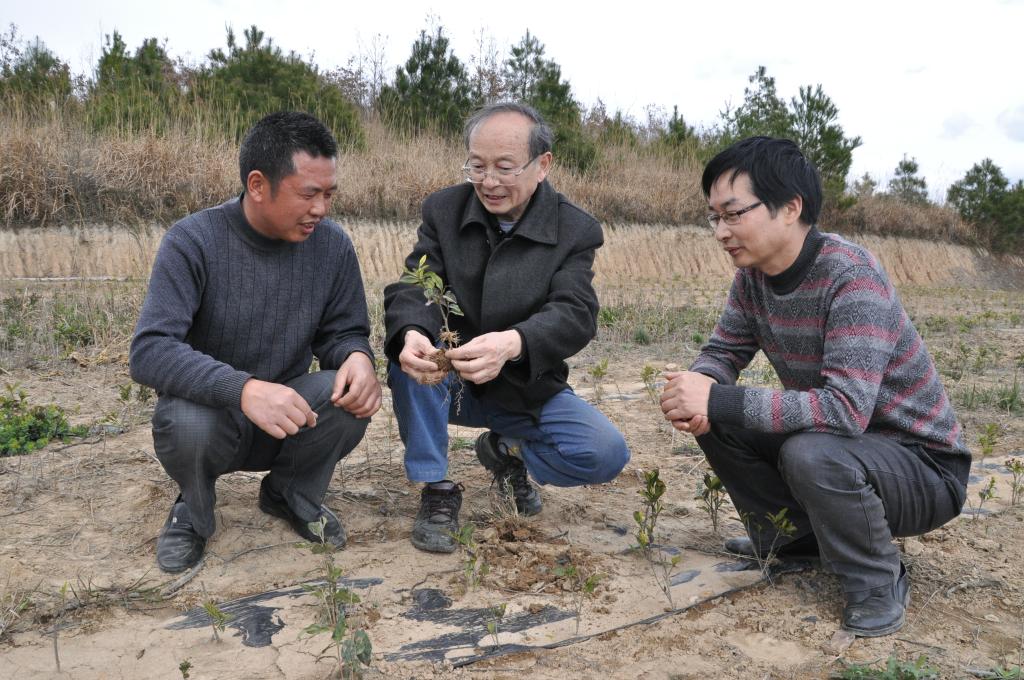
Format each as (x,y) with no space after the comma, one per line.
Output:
(431,547)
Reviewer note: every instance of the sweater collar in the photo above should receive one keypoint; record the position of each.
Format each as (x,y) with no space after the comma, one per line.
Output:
(786,282)
(539,221)
(240,225)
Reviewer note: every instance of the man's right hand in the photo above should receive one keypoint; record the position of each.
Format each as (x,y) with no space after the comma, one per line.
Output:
(276,409)
(414,362)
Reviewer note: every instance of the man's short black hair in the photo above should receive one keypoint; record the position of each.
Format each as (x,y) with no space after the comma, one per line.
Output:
(271,143)
(778,172)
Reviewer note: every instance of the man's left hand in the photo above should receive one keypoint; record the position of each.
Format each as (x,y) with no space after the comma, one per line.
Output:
(480,360)
(686,395)
(356,388)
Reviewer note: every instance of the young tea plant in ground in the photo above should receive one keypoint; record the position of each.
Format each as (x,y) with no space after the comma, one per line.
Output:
(438,294)
(599,372)
(984,495)
(495,613)
(781,526)
(1016,468)
(25,428)
(648,375)
(662,564)
(353,651)
(988,439)
(218,618)
(581,584)
(474,568)
(711,494)
(185,668)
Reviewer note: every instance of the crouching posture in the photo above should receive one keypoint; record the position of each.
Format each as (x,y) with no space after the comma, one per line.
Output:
(861,443)
(518,257)
(242,297)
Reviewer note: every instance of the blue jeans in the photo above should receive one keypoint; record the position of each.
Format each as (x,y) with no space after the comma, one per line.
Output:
(572,443)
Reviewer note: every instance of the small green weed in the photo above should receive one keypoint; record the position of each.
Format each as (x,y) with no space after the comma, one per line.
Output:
(894,670)
(25,428)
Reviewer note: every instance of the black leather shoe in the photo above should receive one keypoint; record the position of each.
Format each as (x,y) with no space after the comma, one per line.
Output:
(803,548)
(879,611)
(275,505)
(179,546)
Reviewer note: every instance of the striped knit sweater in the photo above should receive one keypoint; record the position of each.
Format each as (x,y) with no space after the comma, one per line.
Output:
(849,358)
(226,303)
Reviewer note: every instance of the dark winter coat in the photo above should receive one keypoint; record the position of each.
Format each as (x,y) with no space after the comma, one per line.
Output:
(537,280)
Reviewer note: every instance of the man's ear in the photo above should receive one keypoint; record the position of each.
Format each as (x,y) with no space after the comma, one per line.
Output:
(543,165)
(257,186)
(793,208)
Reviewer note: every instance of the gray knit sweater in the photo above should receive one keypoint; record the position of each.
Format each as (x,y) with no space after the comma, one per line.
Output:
(226,303)
(847,354)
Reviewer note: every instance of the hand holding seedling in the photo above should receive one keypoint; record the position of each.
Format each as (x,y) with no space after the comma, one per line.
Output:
(684,401)
(356,388)
(480,360)
(415,359)
(276,409)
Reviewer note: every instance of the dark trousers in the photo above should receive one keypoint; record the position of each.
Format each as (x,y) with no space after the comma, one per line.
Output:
(854,493)
(197,443)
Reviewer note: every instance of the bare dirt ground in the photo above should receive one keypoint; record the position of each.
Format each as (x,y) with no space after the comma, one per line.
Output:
(86,513)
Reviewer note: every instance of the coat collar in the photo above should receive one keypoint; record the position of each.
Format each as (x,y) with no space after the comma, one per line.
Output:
(539,223)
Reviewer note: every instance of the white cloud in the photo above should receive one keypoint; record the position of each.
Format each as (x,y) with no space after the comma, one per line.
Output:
(956,125)
(1012,123)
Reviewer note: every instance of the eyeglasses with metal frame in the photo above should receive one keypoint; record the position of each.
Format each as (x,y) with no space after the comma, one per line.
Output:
(730,216)
(476,174)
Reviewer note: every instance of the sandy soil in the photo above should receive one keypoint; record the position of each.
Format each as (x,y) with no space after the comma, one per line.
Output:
(87,513)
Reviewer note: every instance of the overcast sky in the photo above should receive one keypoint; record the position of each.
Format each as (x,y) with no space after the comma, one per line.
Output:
(939,81)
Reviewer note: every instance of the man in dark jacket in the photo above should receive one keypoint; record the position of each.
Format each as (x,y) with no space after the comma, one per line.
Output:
(518,258)
(241,298)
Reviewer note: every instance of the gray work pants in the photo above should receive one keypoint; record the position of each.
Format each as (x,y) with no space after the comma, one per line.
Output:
(854,493)
(197,443)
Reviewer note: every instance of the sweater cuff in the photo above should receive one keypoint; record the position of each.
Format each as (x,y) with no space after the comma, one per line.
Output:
(228,391)
(725,405)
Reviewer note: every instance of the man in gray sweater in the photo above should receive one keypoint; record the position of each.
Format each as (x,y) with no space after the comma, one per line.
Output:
(860,443)
(241,299)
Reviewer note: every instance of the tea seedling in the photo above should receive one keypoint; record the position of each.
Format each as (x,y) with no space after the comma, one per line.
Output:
(353,651)
(473,566)
(986,494)
(438,294)
(711,494)
(647,521)
(987,439)
(582,587)
(647,375)
(495,614)
(218,618)
(782,527)
(598,372)
(184,668)
(1016,468)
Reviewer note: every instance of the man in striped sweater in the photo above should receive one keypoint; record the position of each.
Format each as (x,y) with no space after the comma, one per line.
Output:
(242,297)
(860,443)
